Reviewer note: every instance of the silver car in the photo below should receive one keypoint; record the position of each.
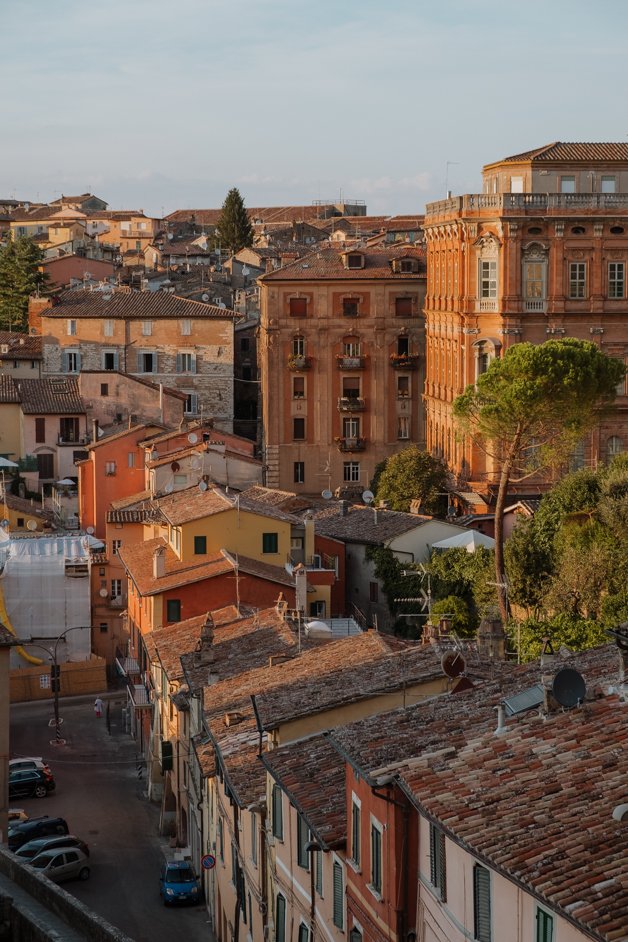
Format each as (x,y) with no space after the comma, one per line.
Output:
(33,848)
(62,863)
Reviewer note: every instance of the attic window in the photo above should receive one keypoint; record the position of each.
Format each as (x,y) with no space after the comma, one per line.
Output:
(354,260)
(407,265)
(617,230)
(578,230)
(535,230)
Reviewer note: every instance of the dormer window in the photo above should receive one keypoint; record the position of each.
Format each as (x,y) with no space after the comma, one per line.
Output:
(354,260)
(405,265)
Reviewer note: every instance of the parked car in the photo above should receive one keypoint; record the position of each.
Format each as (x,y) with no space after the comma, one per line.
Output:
(33,848)
(31,783)
(16,815)
(28,762)
(62,863)
(44,826)
(178,883)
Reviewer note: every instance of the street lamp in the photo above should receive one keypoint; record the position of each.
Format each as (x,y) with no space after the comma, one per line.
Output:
(55,677)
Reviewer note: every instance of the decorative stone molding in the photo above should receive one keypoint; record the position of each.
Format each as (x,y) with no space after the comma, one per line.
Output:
(559,229)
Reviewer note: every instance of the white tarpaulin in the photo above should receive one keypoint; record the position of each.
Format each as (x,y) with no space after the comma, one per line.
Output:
(469,541)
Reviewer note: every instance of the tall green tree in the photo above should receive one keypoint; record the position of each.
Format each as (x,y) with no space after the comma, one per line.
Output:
(530,409)
(19,278)
(234,230)
(413,474)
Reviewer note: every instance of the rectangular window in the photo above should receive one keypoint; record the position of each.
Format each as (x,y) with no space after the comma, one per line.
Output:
(45,466)
(438,873)
(254,840)
(200,545)
(481,904)
(616,279)
(191,404)
(116,588)
(299,472)
(277,812)
(69,429)
(71,361)
(533,286)
(71,328)
(104,389)
(403,426)
(351,428)
(403,307)
(298,346)
(130,459)
(318,876)
(298,387)
(270,542)
(298,429)
(351,471)
(567,184)
(544,926)
(186,327)
(107,328)
(298,307)
(403,387)
(376,858)
(351,387)
(373,592)
(304,933)
(607,184)
(488,278)
(577,279)
(147,328)
(110,467)
(280,919)
(245,344)
(173,610)
(110,360)
(303,836)
(104,627)
(339,897)
(350,307)
(516,184)
(146,362)
(40,430)
(221,842)
(186,363)
(356,850)
(115,546)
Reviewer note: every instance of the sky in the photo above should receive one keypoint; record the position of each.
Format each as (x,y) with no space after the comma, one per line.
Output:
(167,104)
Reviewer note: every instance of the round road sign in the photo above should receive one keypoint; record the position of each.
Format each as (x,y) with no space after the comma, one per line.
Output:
(208,861)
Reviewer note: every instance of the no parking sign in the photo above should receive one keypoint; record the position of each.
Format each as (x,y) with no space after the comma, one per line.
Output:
(208,861)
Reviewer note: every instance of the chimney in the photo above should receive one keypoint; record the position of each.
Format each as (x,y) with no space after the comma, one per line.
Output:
(94,430)
(309,535)
(300,580)
(444,626)
(491,639)
(344,508)
(159,562)
(36,306)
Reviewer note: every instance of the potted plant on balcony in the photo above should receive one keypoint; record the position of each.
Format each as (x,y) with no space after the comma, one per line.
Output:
(297,361)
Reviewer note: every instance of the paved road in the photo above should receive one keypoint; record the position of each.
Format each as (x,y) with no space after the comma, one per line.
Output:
(99,794)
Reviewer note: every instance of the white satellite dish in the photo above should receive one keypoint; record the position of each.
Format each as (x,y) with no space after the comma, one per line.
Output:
(205,297)
(90,530)
(4,523)
(202,485)
(31,525)
(103,593)
(368,497)
(154,455)
(169,488)
(192,438)
(327,494)
(195,463)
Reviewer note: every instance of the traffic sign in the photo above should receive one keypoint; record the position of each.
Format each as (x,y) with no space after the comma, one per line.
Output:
(208,861)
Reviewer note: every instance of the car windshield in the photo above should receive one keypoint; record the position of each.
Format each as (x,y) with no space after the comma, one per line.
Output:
(41,861)
(179,875)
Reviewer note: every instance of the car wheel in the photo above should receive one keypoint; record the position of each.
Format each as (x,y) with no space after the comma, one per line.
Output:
(41,791)
(84,873)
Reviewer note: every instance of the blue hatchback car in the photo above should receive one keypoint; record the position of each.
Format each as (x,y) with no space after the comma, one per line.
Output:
(178,883)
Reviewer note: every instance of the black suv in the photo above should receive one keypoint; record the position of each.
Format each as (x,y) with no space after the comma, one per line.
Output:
(34,828)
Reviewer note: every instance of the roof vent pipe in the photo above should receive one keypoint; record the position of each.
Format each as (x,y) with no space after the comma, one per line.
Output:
(501,719)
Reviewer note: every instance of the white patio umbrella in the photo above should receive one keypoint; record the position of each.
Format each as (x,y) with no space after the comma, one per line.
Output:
(5,463)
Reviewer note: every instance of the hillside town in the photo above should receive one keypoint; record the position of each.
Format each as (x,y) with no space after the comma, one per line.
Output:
(336,505)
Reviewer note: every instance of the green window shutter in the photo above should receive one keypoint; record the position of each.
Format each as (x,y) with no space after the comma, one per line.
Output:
(277,813)
(166,756)
(481,904)
(304,933)
(355,834)
(270,542)
(280,919)
(303,836)
(376,858)
(200,545)
(339,895)
(544,926)
(438,871)
(319,873)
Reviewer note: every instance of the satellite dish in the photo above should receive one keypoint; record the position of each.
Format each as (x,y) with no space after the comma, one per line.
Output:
(368,497)
(192,438)
(452,663)
(175,466)
(32,525)
(90,530)
(569,687)
(103,593)
(205,297)
(202,485)
(154,455)
(4,523)
(169,488)
(327,494)
(195,463)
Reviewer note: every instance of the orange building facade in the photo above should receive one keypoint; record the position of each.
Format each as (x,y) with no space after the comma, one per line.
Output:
(541,254)
(341,356)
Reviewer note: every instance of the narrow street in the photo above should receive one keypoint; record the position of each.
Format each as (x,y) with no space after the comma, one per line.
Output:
(101,796)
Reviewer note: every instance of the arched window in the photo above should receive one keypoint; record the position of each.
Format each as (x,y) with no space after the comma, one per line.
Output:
(485,350)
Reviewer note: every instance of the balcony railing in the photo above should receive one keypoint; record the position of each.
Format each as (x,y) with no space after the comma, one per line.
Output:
(351,404)
(484,305)
(351,444)
(535,304)
(575,202)
(404,361)
(349,362)
(73,439)
(297,363)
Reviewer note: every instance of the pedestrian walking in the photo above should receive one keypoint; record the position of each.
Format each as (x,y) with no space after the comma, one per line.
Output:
(98,706)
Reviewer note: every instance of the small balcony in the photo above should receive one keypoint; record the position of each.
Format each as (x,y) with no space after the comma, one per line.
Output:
(347,362)
(486,305)
(297,363)
(350,445)
(73,440)
(535,305)
(351,404)
(404,361)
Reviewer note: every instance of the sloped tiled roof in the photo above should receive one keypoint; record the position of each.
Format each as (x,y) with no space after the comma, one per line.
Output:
(562,151)
(134,304)
(362,524)
(192,504)
(21,346)
(138,562)
(55,396)
(8,389)
(312,774)
(327,264)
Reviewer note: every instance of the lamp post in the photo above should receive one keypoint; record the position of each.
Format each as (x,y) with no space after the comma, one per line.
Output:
(55,677)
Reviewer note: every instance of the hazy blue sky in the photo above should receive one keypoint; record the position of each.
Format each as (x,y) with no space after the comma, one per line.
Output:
(165,104)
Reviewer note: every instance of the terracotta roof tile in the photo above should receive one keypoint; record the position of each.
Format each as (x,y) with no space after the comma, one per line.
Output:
(193,504)
(562,151)
(362,524)
(134,304)
(20,346)
(138,562)
(327,263)
(57,396)
(8,389)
